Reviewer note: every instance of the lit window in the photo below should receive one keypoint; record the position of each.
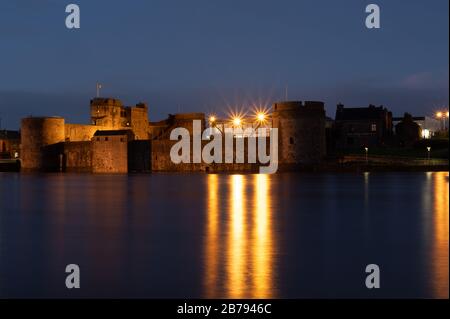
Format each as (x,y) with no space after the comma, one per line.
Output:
(374,127)
(426,134)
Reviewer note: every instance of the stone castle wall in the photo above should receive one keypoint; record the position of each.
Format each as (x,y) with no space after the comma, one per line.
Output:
(161,160)
(301,132)
(77,156)
(110,154)
(139,122)
(112,115)
(51,144)
(80,132)
(139,156)
(36,134)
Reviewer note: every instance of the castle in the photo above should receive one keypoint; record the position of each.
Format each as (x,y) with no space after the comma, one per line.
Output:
(121,139)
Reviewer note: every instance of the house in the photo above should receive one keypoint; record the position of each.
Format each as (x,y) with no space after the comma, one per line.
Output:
(9,144)
(362,127)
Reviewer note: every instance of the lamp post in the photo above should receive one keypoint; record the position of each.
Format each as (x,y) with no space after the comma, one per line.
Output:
(212,120)
(443,116)
(367,154)
(429,151)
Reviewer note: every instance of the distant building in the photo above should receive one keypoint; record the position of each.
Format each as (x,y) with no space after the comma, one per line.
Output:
(362,127)
(430,126)
(9,144)
(407,131)
(330,136)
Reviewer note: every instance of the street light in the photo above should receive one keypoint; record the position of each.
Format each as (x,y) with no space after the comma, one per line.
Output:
(367,154)
(442,115)
(261,116)
(429,150)
(237,121)
(212,119)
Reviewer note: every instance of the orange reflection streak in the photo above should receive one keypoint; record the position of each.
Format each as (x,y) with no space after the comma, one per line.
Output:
(246,254)
(236,255)
(212,238)
(440,244)
(262,239)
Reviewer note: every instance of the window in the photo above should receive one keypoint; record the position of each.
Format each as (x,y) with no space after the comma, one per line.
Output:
(291,140)
(106,139)
(121,139)
(374,127)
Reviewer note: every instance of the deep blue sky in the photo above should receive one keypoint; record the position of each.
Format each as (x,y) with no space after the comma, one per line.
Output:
(212,55)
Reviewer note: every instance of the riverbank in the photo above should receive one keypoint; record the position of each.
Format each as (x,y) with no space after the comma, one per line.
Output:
(385,163)
(352,163)
(9,165)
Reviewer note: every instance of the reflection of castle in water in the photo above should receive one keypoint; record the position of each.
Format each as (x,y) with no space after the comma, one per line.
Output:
(242,250)
(121,139)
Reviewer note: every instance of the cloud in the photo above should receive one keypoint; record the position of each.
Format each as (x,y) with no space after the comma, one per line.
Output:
(425,80)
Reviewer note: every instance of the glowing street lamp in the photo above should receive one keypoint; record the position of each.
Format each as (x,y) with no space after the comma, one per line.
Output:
(212,119)
(428,150)
(367,154)
(442,116)
(237,121)
(261,116)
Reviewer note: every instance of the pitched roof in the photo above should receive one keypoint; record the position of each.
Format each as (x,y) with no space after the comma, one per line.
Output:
(360,113)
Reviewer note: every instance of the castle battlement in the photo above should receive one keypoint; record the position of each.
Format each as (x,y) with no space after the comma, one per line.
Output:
(121,139)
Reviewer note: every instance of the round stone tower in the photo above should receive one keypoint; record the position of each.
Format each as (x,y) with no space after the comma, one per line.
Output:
(36,134)
(301,132)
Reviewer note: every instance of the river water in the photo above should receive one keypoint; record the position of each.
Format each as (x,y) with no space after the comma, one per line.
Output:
(225,236)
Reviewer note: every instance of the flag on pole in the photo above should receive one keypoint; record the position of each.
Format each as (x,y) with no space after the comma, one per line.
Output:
(99,86)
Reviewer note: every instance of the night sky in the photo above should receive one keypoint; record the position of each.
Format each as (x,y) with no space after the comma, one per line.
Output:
(217,55)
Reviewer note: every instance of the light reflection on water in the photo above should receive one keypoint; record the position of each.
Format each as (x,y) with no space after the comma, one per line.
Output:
(225,236)
(440,240)
(248,264)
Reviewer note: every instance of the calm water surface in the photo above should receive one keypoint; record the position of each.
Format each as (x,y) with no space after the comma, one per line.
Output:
(225,236)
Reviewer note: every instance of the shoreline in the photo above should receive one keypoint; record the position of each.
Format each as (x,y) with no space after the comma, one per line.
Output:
(334,167)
